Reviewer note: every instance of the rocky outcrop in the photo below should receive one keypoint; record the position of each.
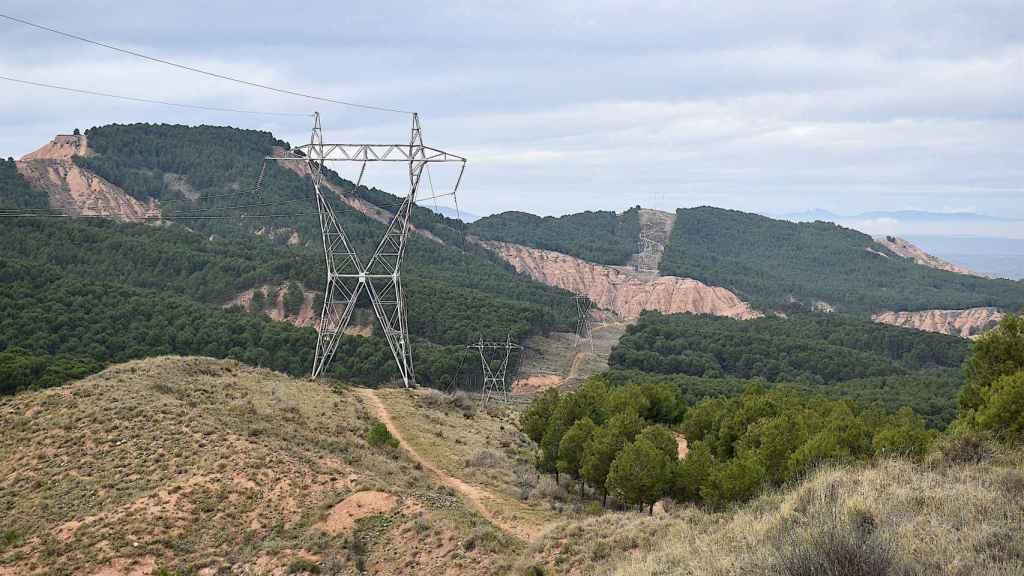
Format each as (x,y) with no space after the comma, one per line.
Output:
(274,309)
(77,191)
(906,249)
(619,289)
(307,315)
(968,323)
(274,233)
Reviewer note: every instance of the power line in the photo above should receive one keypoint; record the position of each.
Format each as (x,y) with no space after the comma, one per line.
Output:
(147,100)
(155,217)
(200,70)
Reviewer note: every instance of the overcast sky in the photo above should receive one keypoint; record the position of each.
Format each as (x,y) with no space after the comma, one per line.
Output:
(567,106)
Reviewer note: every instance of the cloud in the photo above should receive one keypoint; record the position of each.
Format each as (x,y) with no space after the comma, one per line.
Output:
(848,106)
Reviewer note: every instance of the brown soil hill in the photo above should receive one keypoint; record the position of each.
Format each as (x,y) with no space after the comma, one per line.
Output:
(619,289)
(967,323)
(76,191)
(201,466)
(909,250)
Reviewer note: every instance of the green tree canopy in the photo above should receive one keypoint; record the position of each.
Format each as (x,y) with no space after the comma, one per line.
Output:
(572,448)
(640,474)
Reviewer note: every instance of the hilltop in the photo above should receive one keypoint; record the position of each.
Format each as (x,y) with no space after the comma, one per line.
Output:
(198,466)
(203,466)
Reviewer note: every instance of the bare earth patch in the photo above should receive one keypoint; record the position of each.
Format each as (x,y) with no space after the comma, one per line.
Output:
(343,516)
(537,383)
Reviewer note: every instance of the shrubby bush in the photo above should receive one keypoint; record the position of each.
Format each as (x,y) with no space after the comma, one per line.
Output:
(378,436)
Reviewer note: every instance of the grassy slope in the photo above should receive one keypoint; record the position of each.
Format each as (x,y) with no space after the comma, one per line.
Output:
(483,448)
(898,517)
(199,465)
(192,463)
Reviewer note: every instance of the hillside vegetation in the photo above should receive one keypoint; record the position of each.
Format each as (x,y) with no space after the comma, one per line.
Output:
(831,487)
(891,518)
(784,265)
(813,348)
(220,165)
(15,192)
(196,466)
(203,177)
(617,440)
(833,355)
(601,237)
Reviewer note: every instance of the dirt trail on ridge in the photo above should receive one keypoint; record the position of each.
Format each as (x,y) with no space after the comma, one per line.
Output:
(475,495)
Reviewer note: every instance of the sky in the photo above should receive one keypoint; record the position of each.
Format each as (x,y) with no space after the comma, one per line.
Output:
(567,106)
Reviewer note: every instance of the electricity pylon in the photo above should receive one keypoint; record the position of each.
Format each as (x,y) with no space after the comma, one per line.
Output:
(380,277)
(646,256)
(496,382)
(584,323)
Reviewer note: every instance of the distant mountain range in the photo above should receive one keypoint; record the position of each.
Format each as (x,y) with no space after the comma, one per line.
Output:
(449,212)
(899,215)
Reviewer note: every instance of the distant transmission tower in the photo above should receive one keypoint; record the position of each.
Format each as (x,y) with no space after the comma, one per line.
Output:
(584,323)
(497,383)
(646,257)
(347,276)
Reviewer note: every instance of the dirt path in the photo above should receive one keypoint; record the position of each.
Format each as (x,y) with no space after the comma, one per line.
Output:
(475,495)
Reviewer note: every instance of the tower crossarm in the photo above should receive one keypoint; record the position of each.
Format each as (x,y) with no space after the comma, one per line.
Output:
(370,153)
(493,345)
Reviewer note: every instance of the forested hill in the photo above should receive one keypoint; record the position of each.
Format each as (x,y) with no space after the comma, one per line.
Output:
(836,355)
(813,348)
(777,264)
(218,244)
(15,192)
(602,237)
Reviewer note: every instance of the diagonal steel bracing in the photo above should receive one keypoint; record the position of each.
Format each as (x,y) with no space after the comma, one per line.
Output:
(584,322)
(646,257)
(496,380)
(380,277)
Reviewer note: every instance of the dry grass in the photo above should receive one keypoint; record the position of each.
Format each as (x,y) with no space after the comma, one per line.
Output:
(890,518)
(208,467)
(557,354)
(202,466)
(483,448)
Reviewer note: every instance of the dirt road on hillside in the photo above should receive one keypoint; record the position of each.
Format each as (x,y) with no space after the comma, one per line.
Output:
(475,495)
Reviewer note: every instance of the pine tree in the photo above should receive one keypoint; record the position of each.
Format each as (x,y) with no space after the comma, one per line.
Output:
(572,448)
(640,474)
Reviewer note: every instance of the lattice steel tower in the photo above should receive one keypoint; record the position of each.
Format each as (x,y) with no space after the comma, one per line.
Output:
(497,382)
(646,258)
(380,277)
(584,323)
